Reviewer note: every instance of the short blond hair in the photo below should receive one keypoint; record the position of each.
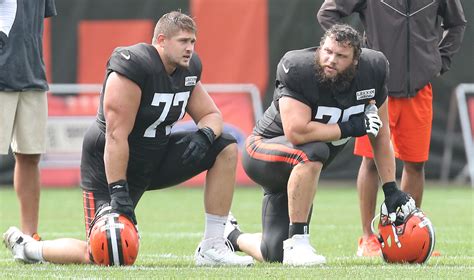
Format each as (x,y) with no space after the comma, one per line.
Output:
(172,23)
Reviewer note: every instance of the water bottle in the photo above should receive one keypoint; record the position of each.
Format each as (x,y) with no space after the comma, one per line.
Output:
(371,108)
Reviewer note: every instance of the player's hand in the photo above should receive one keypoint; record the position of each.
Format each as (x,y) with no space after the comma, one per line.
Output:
(198,145)
(354,127)
(120,200)
(396,199)
(373,123)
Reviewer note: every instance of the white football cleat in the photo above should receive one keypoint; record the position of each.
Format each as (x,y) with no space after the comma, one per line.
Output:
(297,251)
(230,225)
(16,241)
(215,252)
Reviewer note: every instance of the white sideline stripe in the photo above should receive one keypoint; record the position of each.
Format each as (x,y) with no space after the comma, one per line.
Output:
(333,264)
(14,271)
(331,259)
(165,256)
(186,235)
(142,234)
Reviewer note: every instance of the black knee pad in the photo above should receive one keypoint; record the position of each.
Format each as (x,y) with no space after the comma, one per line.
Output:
(316,151)
(275,222)
(220,144)
(223,141)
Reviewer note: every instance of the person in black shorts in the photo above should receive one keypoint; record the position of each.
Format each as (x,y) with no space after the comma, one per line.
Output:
(130,148)
(321,100)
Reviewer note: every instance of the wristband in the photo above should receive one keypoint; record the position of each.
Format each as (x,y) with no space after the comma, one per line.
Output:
(120,185)
(389,188)
(209,133)
(346,129)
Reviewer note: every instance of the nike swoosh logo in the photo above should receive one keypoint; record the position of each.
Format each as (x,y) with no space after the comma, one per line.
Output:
(126,56)
(285,69)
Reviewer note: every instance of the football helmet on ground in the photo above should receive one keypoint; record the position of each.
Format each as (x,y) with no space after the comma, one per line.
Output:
(113,240)
(407,240)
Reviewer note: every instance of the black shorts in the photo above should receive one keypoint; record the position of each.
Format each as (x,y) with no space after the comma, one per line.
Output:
(148,169)
(269,161)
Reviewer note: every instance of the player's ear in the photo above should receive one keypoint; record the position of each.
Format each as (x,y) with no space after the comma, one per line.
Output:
(160,40)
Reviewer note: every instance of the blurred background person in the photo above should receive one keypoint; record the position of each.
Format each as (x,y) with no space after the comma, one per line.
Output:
(23,101)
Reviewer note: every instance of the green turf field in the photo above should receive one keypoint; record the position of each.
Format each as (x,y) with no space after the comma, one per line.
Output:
(171,223)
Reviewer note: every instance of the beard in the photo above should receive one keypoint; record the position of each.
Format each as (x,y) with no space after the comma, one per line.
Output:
(338,83)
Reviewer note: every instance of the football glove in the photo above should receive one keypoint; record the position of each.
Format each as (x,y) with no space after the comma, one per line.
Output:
(396,199)
(120,200)
(372,124)
(354,127)
(198,145)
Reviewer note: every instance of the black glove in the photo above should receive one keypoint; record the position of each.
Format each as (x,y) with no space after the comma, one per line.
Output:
(120,200)
(394,199)
(355,126)
(198,145)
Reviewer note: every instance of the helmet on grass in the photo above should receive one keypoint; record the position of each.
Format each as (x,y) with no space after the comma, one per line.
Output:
(407,240)
(113,240)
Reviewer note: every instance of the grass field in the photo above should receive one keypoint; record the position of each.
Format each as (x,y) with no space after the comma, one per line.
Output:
(172,221)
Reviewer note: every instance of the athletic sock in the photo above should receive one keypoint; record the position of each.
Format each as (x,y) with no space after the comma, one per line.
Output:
(298,228)
(215,226)
(34,250)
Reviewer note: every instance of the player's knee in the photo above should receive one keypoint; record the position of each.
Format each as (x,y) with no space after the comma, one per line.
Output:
(369,164)
(25,159)
(316,151)
(272,249)
(229,154)
(414,167)
(312,167)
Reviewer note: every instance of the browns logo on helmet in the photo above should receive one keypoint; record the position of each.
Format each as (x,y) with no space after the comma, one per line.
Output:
(407,240)
(113,240)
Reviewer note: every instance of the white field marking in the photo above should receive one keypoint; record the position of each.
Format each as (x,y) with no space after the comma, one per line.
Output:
(438,230)
(165,256)
(353,226)
(14,271)
(335,261)
(180,235)
(331,259)
(370,260)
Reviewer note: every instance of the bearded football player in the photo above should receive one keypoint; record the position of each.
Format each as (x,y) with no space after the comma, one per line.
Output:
(321,100)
